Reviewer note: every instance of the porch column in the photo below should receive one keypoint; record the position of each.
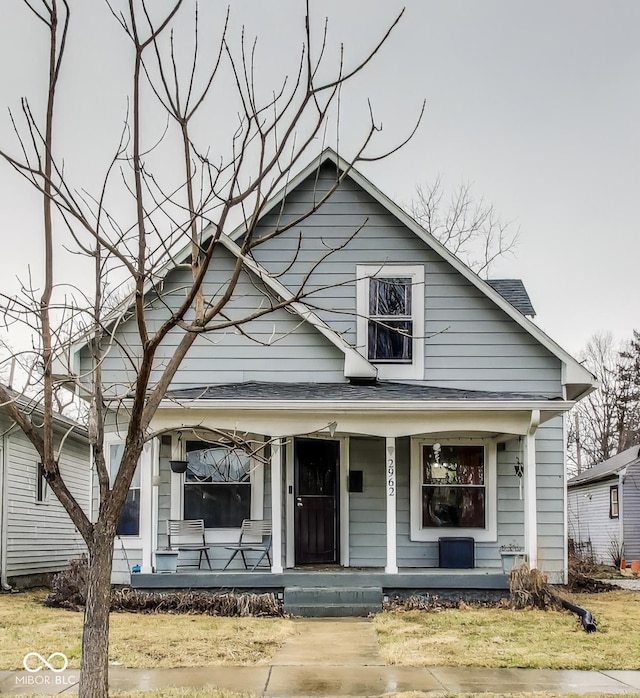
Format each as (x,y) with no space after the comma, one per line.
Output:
(146,506)
(530,492)
(390,476)
(276,505)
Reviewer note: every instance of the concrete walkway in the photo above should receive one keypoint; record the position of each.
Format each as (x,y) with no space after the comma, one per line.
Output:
(334,657)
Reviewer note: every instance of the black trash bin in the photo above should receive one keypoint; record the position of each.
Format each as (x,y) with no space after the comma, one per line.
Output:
(457,553)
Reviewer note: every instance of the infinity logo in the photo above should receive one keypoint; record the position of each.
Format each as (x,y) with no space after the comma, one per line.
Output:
(45,662)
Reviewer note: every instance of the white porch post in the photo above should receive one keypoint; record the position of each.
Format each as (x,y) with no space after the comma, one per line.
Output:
(530,492)
(276,505)
(146,506)
(390,473)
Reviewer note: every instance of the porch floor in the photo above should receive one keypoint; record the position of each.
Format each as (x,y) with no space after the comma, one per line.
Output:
(428,579)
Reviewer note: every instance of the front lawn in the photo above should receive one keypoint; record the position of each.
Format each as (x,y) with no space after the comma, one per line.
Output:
(137,639)
(501,637)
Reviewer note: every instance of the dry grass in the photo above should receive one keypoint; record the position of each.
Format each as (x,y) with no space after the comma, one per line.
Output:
(518,694)
(175,693)
(137,640)
(502,637)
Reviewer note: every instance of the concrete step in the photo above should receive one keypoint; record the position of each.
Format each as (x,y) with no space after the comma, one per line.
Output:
(332,602)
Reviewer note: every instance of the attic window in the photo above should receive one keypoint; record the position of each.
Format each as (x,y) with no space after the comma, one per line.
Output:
(390,322)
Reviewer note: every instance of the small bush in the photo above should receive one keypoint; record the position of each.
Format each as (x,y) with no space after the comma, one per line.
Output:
(582,571)
(530,589)
(68,588)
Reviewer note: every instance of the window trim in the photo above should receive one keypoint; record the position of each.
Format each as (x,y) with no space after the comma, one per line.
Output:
(612,489)
(386,369)
(488,534)
(230,535)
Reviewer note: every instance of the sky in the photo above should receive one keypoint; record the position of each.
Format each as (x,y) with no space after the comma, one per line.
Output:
(535,104)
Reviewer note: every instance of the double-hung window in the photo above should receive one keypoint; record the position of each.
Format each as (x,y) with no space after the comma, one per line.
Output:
(390,325)
(217,484)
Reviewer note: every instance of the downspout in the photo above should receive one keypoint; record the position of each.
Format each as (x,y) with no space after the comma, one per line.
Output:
(4,460)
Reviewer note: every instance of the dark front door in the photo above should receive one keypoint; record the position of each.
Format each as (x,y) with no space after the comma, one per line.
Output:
(316,501)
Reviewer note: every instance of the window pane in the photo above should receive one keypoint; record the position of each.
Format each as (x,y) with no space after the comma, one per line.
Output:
(391,340)
(454,507)
(129,520)
(115,458)
(453,465)
(389,296)
(221,506)
(216,463)
(217,485)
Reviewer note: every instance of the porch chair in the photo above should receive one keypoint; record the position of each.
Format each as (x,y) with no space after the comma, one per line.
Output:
(188,535)
(252,528)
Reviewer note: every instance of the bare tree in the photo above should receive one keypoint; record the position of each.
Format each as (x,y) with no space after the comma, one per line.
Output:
(468,227)
(628,407)
(606,421)
(216,186)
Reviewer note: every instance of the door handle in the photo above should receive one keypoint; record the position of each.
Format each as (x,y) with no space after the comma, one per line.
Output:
(299,502)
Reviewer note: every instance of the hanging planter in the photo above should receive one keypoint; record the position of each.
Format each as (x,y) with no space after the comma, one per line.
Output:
(178,466)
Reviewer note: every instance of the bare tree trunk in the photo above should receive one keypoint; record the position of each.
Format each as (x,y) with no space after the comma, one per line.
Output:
(94,667)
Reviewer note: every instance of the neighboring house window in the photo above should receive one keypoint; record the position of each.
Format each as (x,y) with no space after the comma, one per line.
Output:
(453,489)
(129,519)
(390,308)
(42,486)
(217,484)
(614,511)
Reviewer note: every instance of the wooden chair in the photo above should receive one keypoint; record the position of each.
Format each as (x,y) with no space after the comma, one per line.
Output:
(252,528)
(188,535)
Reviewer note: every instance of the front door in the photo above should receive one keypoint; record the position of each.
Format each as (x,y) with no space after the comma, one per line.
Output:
(316,501)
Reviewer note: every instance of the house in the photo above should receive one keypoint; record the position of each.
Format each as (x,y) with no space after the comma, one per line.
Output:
(604,508)
(37,537)
(403,401)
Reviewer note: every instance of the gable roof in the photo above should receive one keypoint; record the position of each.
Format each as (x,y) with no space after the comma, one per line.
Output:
(576,379)
(513,290)
(608,468)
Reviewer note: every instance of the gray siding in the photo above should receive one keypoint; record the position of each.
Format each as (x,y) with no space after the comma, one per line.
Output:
(275,347)
(368,509)
(631,512)
(40,535)
(550,499)
(589,522)
(471,343)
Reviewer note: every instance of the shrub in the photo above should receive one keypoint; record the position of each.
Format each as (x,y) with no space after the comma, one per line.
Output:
(68,590)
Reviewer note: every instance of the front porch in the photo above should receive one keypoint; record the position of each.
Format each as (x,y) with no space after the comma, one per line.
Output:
(424,579)
(340,592)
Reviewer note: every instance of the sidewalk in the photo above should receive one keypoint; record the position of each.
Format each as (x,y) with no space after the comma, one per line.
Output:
(334,657)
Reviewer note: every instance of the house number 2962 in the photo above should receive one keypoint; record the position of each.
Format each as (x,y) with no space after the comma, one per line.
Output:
(391,477)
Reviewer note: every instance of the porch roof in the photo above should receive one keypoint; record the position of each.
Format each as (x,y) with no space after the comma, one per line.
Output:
(378,391)
(384,408)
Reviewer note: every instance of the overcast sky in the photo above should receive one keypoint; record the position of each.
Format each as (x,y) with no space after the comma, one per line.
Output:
(537,104)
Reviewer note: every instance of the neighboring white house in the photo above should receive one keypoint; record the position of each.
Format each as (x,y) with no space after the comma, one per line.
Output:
(415,402)
(37,537)
(604,507)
